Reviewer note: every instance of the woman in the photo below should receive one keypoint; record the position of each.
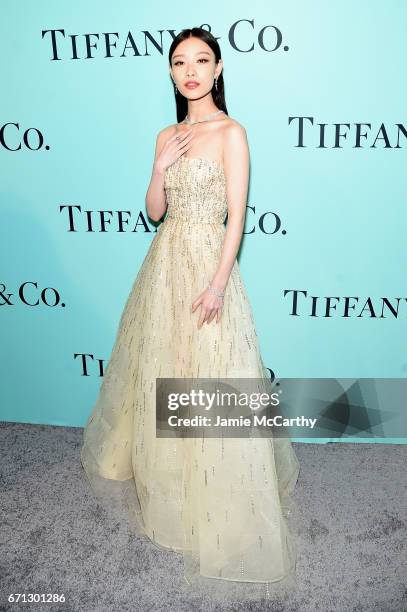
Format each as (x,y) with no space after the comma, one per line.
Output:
(222,503)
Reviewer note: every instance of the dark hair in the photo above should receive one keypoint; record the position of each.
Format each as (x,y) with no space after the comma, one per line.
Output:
(217,94)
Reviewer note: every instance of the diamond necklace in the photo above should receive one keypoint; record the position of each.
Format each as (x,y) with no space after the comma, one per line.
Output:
(189,122)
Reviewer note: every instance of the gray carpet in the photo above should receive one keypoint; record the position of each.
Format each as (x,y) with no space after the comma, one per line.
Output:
(352,538)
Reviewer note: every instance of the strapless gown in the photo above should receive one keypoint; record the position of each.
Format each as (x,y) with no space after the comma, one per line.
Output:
(222,503)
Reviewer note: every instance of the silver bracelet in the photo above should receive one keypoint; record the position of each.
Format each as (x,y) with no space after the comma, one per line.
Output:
(215,292)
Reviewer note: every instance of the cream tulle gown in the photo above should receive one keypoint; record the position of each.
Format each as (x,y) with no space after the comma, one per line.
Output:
(222,503)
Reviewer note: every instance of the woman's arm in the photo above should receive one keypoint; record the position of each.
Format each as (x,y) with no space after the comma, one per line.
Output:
(155,198)
(236,160)
(169,147)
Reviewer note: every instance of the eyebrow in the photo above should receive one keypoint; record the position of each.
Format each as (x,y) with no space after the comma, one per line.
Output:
(198,53)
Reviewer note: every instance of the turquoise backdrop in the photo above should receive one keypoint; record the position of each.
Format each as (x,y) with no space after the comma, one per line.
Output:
(342,209)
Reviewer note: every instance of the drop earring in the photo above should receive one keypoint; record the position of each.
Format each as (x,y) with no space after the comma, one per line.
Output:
(216,83)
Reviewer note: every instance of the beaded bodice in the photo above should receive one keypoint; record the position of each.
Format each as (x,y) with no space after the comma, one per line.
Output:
(195,190)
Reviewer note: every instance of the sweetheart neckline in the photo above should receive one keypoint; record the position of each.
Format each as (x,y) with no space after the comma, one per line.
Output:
(209,161)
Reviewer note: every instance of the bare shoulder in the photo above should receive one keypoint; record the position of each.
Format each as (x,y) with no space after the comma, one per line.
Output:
(169,129)
(162,137)
(166,132)
(234,130)
(235,139)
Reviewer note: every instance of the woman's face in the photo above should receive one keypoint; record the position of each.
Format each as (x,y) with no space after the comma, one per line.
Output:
(193,61)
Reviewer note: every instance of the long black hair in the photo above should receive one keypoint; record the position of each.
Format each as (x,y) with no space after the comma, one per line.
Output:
(218,94)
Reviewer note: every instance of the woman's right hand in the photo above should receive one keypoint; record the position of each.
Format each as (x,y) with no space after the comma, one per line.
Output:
(175,146)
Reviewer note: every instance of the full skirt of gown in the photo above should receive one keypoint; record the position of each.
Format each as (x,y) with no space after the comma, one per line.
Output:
(223,503)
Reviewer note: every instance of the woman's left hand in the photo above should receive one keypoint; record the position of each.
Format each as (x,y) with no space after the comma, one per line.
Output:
(211,306)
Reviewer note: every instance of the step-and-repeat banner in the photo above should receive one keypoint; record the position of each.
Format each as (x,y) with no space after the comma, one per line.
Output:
(320,89)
